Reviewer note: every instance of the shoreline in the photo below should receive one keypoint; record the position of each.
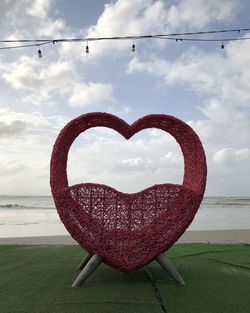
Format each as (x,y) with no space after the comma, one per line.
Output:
(193,236)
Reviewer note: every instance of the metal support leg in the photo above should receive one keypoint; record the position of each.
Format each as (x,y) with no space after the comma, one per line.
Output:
(169,267)
(84,261)
(90,267)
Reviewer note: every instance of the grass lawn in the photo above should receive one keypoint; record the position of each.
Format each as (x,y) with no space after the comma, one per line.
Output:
(37,279)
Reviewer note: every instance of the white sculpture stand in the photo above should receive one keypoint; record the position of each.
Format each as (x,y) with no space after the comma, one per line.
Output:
(90,263)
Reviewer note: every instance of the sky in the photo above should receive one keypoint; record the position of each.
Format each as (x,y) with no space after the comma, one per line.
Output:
(200,83)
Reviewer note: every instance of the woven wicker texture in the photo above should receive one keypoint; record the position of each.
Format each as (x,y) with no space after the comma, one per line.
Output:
(128,230)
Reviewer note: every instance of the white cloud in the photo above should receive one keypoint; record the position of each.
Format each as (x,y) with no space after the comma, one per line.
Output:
(38,8)
(106,157)
(13,128)
(223,78)
(172,159)
(229,172)
(136,164)
(198,14)
(8,10)
(11,167)
(27,19)
(125,109)
(120,18)
(34,119)
(222,75)
(30,74)
(222,81)
(86,94)
(186,71)
(119,109)
(128,18)
(224,125)
(228,155)
(41,81)
(25,157)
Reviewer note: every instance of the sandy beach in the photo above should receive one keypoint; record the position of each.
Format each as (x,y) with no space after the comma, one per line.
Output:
(206,236)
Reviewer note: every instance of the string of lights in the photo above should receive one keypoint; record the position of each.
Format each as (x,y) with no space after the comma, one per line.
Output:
(184,36)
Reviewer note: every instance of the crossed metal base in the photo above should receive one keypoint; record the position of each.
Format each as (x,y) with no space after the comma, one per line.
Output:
(90,263)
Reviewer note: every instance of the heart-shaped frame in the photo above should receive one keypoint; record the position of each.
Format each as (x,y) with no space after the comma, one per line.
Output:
(128,230)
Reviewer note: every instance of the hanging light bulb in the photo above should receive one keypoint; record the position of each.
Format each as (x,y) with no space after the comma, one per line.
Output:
(222,46)
(39,52)
(87,48)
(133,46)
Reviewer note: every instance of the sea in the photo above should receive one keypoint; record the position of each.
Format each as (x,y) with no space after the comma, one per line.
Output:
(31,216)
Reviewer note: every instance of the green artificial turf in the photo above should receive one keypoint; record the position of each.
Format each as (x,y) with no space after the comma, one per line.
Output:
(37,279)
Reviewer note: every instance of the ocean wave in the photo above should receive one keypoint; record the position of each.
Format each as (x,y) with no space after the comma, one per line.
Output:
(226,201)
(25,223)
(225,204)
(26,207)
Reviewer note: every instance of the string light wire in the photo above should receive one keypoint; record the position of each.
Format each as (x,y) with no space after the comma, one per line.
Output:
(185,36)
(45,42)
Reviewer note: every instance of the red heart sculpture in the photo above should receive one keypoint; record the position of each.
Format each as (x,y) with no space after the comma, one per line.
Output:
(128,230)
